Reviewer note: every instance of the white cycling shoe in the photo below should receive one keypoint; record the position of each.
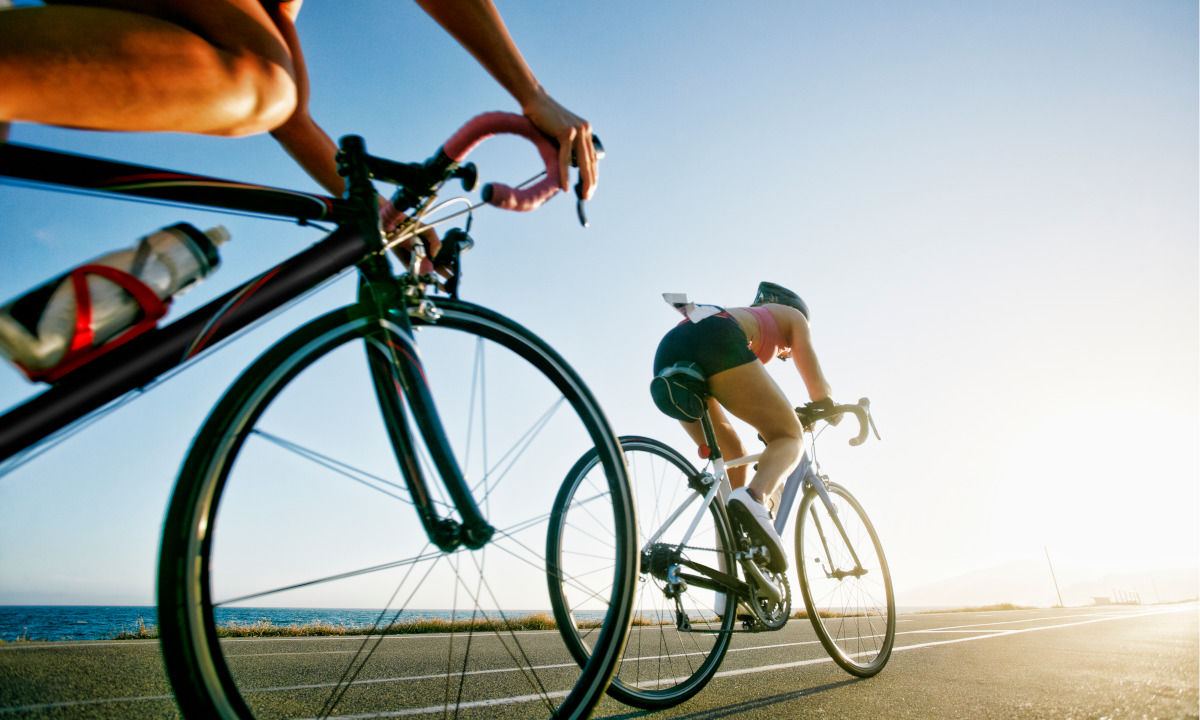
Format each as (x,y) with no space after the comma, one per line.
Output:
(755,519)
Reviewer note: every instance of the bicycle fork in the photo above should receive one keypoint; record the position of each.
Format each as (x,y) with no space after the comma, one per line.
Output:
(817,485)
(397,374)
(804,479)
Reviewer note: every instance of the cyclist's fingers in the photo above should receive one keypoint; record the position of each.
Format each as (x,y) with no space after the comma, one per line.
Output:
(589,167)
(566,147)
(432,242)
(573,135)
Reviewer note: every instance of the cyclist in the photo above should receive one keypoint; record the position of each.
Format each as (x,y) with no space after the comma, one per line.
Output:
(729,346)
(225,67)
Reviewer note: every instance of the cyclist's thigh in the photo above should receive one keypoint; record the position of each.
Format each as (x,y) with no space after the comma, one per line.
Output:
(233,25)
(749,392)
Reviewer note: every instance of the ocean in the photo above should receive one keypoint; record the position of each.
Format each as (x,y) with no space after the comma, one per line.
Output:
(95,622)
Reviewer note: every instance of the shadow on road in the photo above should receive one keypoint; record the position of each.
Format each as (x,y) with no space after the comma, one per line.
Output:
(742,707)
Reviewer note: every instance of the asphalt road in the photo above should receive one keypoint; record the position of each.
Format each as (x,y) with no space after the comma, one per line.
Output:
(1112,662)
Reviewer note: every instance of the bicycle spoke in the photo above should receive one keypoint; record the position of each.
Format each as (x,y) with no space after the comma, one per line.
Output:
(328,579)
(295,482)
(341,468)
(495,475)
(355,666)
(662,665)
(851,611)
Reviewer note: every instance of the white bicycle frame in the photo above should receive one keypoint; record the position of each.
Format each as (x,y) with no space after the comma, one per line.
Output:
(718,482)
(805,475)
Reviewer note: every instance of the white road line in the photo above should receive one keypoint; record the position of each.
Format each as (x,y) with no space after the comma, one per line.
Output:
(518,699)
(51,645)
(1005,633)
(82,703)
(992,634)
(1023,620)
(918,646)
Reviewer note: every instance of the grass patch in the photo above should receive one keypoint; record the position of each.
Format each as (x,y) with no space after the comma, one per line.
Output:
(803,614)
(143,632)
(266,628)
(643,621)
(981,608)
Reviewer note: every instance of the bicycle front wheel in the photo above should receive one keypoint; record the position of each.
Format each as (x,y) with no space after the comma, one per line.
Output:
(845,582)
(665,661)
(292,517)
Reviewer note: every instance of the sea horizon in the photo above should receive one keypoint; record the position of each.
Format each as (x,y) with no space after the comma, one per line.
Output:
(70,622)
(54,623)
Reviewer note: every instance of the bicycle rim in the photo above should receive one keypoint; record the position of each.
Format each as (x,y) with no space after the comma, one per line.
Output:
(854,616)
(662,665)
(291,498)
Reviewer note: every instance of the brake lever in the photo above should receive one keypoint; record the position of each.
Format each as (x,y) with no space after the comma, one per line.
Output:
(579,205)
(579,199)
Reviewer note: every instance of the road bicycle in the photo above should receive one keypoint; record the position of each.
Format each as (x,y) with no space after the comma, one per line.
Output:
(691,553)
(311,484)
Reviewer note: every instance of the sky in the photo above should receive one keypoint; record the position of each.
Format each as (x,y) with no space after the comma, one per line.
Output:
(990,208)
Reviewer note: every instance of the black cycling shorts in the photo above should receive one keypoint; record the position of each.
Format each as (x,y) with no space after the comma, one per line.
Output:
(716,343)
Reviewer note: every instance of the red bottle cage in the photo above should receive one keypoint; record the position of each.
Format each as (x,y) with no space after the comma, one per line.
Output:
(81,350)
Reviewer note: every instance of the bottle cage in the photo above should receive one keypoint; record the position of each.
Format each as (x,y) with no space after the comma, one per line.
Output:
(82,348)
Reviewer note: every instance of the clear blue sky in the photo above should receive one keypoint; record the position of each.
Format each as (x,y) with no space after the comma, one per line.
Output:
(991,209)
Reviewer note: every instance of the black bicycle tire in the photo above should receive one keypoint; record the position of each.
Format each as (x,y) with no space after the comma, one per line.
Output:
(836,652)
(203,685)
(619,690)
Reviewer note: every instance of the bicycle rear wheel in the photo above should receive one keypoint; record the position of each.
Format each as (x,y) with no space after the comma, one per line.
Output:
(850,604)
(662,665)
(292,497)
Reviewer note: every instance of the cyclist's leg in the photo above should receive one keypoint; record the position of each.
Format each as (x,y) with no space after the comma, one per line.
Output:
(217,67)
(727,438)
(749,393)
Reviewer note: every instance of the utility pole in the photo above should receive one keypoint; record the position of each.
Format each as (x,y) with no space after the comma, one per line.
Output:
(1060,602)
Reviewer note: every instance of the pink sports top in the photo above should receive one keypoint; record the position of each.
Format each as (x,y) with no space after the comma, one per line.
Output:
(770,342)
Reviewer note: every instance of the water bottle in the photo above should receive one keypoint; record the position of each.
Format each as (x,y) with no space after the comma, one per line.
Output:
(39,331)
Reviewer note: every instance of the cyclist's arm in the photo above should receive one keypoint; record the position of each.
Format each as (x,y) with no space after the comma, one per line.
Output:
(478,27)
(309,145)
(798,336)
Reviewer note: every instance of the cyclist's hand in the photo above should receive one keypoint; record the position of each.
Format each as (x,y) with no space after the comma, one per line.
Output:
(390,218)
(824,408)
(574,137)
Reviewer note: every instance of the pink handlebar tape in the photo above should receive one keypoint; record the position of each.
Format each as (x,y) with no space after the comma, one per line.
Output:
(480,128)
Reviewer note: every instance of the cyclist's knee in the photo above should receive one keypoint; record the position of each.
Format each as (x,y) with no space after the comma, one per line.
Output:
(783,424)
(787,446)
(241,61)
(784,437)
(260,95)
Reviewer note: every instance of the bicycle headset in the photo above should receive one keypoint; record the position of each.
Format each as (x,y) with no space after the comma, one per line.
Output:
(769,292)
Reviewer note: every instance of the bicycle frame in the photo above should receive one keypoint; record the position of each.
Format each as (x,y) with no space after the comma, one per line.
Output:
(357,241)
(805,478)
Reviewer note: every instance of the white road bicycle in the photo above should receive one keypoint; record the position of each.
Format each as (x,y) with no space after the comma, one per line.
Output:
(697,562)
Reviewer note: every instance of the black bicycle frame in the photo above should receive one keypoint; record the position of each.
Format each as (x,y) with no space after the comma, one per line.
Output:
(139,362)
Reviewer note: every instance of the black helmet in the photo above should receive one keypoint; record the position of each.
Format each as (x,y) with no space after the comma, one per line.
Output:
(769,292)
